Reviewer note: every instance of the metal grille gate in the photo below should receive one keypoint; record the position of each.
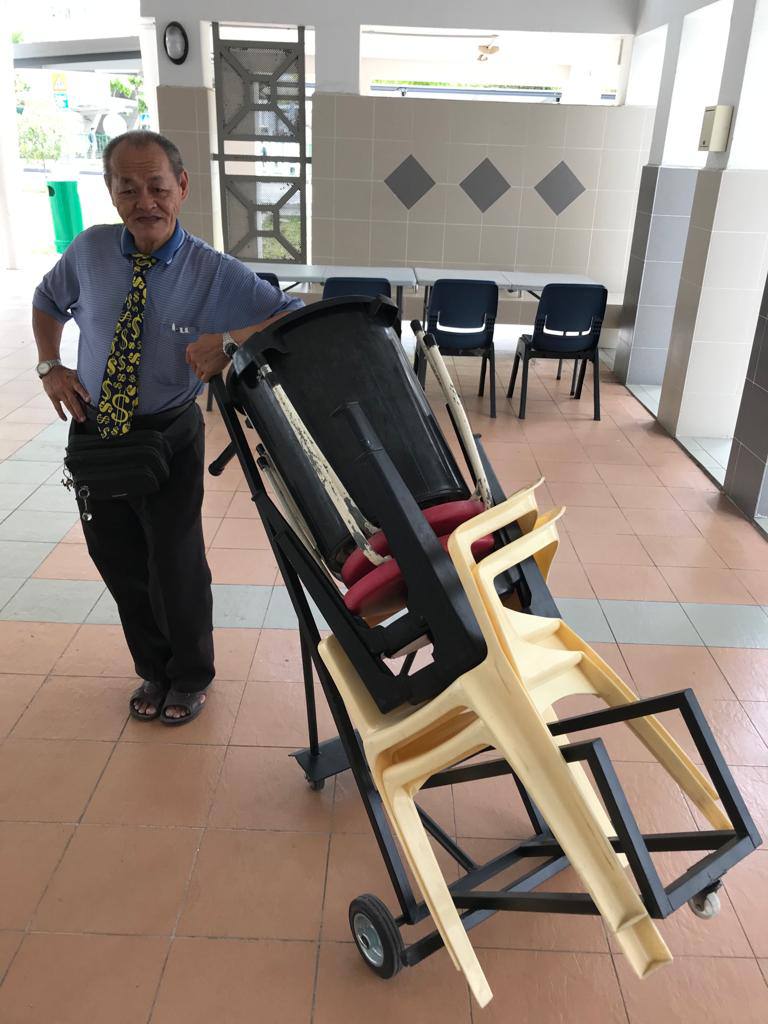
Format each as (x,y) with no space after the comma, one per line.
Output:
(261,117)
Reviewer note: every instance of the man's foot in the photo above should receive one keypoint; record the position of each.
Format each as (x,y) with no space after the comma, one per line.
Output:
(181,707)
(146,701)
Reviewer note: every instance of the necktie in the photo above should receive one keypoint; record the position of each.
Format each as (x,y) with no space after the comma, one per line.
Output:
(120,388)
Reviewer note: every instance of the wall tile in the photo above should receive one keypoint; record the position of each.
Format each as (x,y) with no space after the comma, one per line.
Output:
(546,125)
(607,258)
(667,238)
(353,159)
(705,198)
(571,251)
(508,124)
(385,205)
(463,158)
(323,158)
(624,127)
(735,260)
(462,242)
(581,212)
(387,155)
(433,156)
(506,211)
(534,212)
(392,118)
(352,241)
(585,127)
(759,363)
(322,197)
(388,242)
(646,365)
(647,190)
(425,244)
(323,116)
(431,120)
(639,242)
(322,237)
(615,209)
(474,126)
(354,117)
(742,204)
(538,161)
(727,316)
(508,160)
(585,164)
(619,169)
(653,326)
(177,108)
(752,424)
(660,282)
(498,246)
(745,479)
(719,368)
(674,191)
(696,252)
(187,143)
(463,210)
(535,246)
(707,414)
(352,201)
(431,208)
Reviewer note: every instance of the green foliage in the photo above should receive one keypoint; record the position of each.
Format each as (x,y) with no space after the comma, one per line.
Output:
(37,140)
(17,37)
(130,87)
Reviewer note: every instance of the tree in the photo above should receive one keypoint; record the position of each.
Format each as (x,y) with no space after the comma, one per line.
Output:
(40,136)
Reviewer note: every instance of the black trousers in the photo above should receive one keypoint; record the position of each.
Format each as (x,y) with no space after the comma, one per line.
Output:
(151,555)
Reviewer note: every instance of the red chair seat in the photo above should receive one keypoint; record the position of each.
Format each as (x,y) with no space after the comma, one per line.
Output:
(383,591)
(442,518)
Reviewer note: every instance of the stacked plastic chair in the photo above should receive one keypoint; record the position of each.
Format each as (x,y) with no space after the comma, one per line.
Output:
(368,490)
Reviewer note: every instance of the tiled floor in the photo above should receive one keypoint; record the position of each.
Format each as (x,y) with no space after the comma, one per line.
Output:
(164,876)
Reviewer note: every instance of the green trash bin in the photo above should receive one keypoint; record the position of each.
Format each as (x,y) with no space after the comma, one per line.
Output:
(67,214)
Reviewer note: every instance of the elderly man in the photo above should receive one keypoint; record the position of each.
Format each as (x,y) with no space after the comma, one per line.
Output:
(155,306)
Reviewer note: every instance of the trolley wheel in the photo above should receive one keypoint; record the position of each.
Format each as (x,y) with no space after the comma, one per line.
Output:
(376,935)
(705,905)
(316,784)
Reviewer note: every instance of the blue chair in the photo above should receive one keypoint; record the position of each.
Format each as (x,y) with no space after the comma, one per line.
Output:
(460,317)
(568,324)
(270,279)
(337,287)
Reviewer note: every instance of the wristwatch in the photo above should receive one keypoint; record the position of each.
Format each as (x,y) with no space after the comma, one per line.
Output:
(229,345)
(46,366)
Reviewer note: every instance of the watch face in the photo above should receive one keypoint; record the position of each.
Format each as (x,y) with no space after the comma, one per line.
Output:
(43,368)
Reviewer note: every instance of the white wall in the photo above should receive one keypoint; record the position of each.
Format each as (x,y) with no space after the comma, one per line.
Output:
(645,69)
(749,148)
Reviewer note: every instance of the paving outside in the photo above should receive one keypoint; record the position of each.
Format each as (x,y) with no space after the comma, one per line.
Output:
(188,875)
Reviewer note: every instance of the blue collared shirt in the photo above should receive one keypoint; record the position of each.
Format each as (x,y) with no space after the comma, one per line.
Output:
(192,290)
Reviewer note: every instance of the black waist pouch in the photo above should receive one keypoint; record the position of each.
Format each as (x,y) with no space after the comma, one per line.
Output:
(131,466)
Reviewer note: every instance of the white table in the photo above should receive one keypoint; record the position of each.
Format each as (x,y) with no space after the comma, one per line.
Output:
(428,275)
(523,281)
(301,273)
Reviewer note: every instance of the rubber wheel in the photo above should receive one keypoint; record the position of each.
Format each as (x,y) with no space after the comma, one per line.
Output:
(705,905)
(376,935)
(316,784)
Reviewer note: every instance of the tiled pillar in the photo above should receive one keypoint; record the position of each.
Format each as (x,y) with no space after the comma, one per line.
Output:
(653,276)
(183,116)
(724,270)
(746,481)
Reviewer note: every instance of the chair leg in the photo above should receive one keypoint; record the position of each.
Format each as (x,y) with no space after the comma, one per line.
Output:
(420,368)
(513,377)
(596,385)
(492,362)
(481,386)
(582,374)
(523,388)
(559,369)
(575,375)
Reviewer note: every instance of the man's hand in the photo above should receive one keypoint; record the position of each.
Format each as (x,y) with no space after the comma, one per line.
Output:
(63,387)
(206,356)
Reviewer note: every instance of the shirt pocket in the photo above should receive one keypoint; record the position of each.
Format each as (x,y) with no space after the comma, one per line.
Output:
(168,363)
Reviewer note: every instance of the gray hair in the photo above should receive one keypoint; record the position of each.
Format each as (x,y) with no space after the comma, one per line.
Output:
(143,138)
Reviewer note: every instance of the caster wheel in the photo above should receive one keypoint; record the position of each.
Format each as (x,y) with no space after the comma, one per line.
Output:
(705,905)
(316,784)
(376,935)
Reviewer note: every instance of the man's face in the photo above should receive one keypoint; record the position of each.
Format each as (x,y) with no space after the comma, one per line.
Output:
(146,194)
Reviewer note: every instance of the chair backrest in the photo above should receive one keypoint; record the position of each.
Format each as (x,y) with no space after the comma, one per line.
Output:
(467,308)
(336,287)
(270,279)
(569,317)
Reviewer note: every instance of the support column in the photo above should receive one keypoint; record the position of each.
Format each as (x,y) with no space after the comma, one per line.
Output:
(10,176)
(746,481)
(337,55)
(184,104)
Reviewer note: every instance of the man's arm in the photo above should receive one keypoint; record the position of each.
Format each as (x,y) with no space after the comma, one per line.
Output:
(61,384)
(206,356)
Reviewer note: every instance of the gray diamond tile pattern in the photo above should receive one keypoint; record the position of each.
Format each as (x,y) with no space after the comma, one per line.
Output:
(559,188)
(409,181)
(485,185)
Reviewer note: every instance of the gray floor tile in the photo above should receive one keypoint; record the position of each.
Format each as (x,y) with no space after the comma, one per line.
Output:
(53,601)
(12,495)
(104,612)
(239,605)
(24,472)
(55,433)
(650,622)
(41,526)
(51,498)
(730,625)
(21,558)
(40,451)
(586,617)
(8,587)
(280,614)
